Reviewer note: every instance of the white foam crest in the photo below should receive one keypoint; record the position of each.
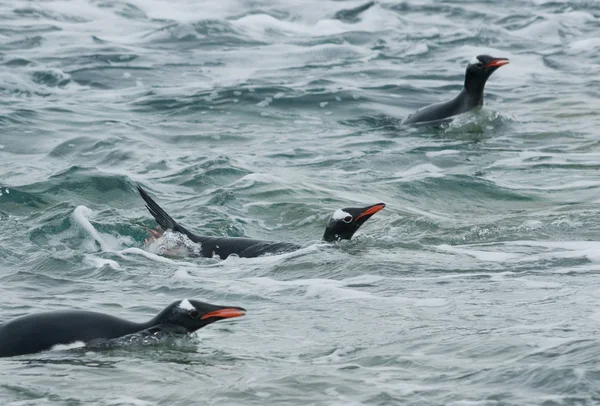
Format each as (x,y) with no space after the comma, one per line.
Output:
(533,158)
(489,256)
(572,245)
(418,172)
(128,401)
(559,249)
(568,249)
(100,262)
(567,185)
(337,355)
(336,293)
(309,12)
(80,216)
(314,287)
(576,269)
(584,45)
(252,179)
(100,22)
(468,403)
(552,27)
(189,11)
(174,244)
(519,160)
(343,194)
(151,256)
(182,274)
(418,49)
(373,19)
(336,290)
(269,283)
(548,32)
(261,177)
(107,242)
(263,23)
(535,284)
(444,152)
(474,123)
(70,346)
(274,58)
(15,84)
(364,279)
(234,260)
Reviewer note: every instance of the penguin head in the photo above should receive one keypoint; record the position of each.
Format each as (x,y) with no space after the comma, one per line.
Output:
(345,222)
(479,69)
(193,315)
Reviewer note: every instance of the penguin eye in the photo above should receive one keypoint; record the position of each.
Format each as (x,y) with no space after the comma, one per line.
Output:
(194,314)
(479,65)
(347,219)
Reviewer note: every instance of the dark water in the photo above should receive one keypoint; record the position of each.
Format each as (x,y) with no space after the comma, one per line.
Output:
(477,285)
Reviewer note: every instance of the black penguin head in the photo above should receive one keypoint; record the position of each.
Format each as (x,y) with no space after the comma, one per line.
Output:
(193,315)
(345,222)
(479,69)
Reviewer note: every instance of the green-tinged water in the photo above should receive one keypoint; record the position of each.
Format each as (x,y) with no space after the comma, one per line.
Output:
(477,285)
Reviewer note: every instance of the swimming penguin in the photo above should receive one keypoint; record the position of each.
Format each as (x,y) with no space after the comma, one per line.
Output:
(42,331)
(341,226)
(479,69)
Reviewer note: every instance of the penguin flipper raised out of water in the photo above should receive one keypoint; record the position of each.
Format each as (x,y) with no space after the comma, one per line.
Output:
(341,226)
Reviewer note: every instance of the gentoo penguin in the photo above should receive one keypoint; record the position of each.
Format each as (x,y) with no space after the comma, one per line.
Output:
(479,69)
(42,331)
(341,226)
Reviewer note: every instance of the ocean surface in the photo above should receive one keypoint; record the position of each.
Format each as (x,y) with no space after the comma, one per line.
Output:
(477,285)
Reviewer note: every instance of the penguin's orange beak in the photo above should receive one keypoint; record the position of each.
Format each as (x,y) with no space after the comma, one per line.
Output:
(496,63)
(369,211)
(226,313)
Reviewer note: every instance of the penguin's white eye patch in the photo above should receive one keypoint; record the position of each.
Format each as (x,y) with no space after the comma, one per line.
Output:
(186,305)
(340,215)
(474,61)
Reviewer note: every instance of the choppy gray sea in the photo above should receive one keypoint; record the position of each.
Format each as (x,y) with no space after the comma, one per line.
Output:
(476,286)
